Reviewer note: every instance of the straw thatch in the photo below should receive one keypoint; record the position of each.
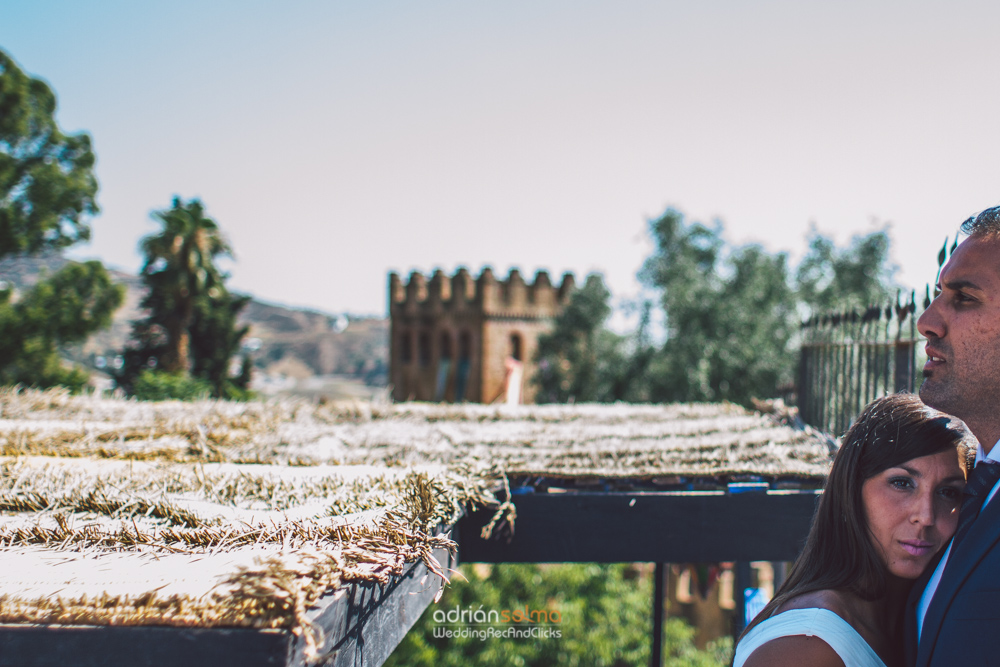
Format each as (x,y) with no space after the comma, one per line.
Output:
(266,506)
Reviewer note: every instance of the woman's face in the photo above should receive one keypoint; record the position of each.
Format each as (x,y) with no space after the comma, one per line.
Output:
(912,510)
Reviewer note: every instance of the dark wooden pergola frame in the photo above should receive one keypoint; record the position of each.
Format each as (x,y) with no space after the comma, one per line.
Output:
(363,623)
(649,526)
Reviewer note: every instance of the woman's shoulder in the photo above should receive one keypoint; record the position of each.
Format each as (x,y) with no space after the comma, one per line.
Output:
(813,629)
(794,651)
(836,601)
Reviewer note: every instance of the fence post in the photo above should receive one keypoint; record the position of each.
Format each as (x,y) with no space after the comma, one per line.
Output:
(803,398)
(849,359)
(905,361)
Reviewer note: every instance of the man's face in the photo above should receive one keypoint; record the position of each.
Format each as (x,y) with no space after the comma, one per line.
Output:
(962,327)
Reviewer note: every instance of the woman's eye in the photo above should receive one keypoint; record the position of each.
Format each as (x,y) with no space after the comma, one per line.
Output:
(901,482)
(951,493)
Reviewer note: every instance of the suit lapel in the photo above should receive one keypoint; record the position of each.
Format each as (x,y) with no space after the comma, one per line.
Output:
(981,537)
(910,614)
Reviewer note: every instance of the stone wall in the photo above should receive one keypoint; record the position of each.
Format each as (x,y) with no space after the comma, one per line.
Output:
(452,337)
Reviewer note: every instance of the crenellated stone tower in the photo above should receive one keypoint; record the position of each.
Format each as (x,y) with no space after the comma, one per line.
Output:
(453,339)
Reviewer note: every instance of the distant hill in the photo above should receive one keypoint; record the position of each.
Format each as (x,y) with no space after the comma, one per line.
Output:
(298,342)
(285,342)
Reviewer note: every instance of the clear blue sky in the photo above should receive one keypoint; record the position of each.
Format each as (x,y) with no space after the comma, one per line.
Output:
(334,141)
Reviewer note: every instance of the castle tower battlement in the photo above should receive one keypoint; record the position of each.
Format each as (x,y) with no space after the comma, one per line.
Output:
(459,338)
(509,297)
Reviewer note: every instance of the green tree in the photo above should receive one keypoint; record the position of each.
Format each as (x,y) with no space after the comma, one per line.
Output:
(180,269)
(604,619)
(47,183)
(216,338)
(47,189)
(730,315)
(837,279)
(191,329)
(580,359)
(64,309)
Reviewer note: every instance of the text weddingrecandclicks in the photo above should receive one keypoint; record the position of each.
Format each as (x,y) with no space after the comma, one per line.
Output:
(503,624)
(490,632)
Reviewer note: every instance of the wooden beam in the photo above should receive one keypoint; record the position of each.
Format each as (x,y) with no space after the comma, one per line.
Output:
(367,621)
(742,578)
(657,527)
(97,646)
(656,653)
(361,625)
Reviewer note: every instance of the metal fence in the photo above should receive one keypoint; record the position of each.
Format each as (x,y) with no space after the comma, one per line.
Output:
(849,359)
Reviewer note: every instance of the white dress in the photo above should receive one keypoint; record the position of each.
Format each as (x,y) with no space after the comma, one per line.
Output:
(822,623)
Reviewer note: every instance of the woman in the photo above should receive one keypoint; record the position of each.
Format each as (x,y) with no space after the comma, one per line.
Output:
(891,503)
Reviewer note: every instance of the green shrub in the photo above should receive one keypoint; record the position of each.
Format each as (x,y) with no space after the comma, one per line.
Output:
(152,385)
(604,620)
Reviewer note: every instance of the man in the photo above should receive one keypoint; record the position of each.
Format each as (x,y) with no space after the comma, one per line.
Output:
(957,615)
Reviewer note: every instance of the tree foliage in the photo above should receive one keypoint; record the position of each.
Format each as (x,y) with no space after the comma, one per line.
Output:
(216,338)
(47,188)
(731,315)
(581,360)
(180,271)
(47,183)
(66,308)
(831,278)
(191,328)
(604,612)
(154,385)
(572,358)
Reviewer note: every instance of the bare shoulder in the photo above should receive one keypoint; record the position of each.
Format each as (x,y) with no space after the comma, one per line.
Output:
(794,651)
(835,601)
(797,650)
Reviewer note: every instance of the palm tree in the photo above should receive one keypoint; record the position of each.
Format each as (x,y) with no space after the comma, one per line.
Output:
(180,268)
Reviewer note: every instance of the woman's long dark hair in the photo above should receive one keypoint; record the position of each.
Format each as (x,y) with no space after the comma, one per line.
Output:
(839,553)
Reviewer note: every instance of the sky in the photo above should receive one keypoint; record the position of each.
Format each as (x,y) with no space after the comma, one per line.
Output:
(336,141)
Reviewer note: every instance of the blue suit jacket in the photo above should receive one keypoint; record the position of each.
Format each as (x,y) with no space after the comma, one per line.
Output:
(962,625)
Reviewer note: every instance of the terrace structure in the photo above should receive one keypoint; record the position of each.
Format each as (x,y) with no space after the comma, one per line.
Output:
(222,534)
(458,339)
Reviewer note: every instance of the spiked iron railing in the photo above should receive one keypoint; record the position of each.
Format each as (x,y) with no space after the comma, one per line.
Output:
(849,359)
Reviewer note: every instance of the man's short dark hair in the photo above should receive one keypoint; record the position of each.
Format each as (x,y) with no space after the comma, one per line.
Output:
(986,223)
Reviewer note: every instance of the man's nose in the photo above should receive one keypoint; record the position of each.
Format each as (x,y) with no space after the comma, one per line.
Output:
(931,324)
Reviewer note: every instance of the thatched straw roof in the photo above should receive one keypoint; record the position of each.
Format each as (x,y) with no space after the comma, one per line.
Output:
(264,506)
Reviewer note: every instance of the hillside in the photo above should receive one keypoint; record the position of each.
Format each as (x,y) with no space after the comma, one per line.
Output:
(294,349)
